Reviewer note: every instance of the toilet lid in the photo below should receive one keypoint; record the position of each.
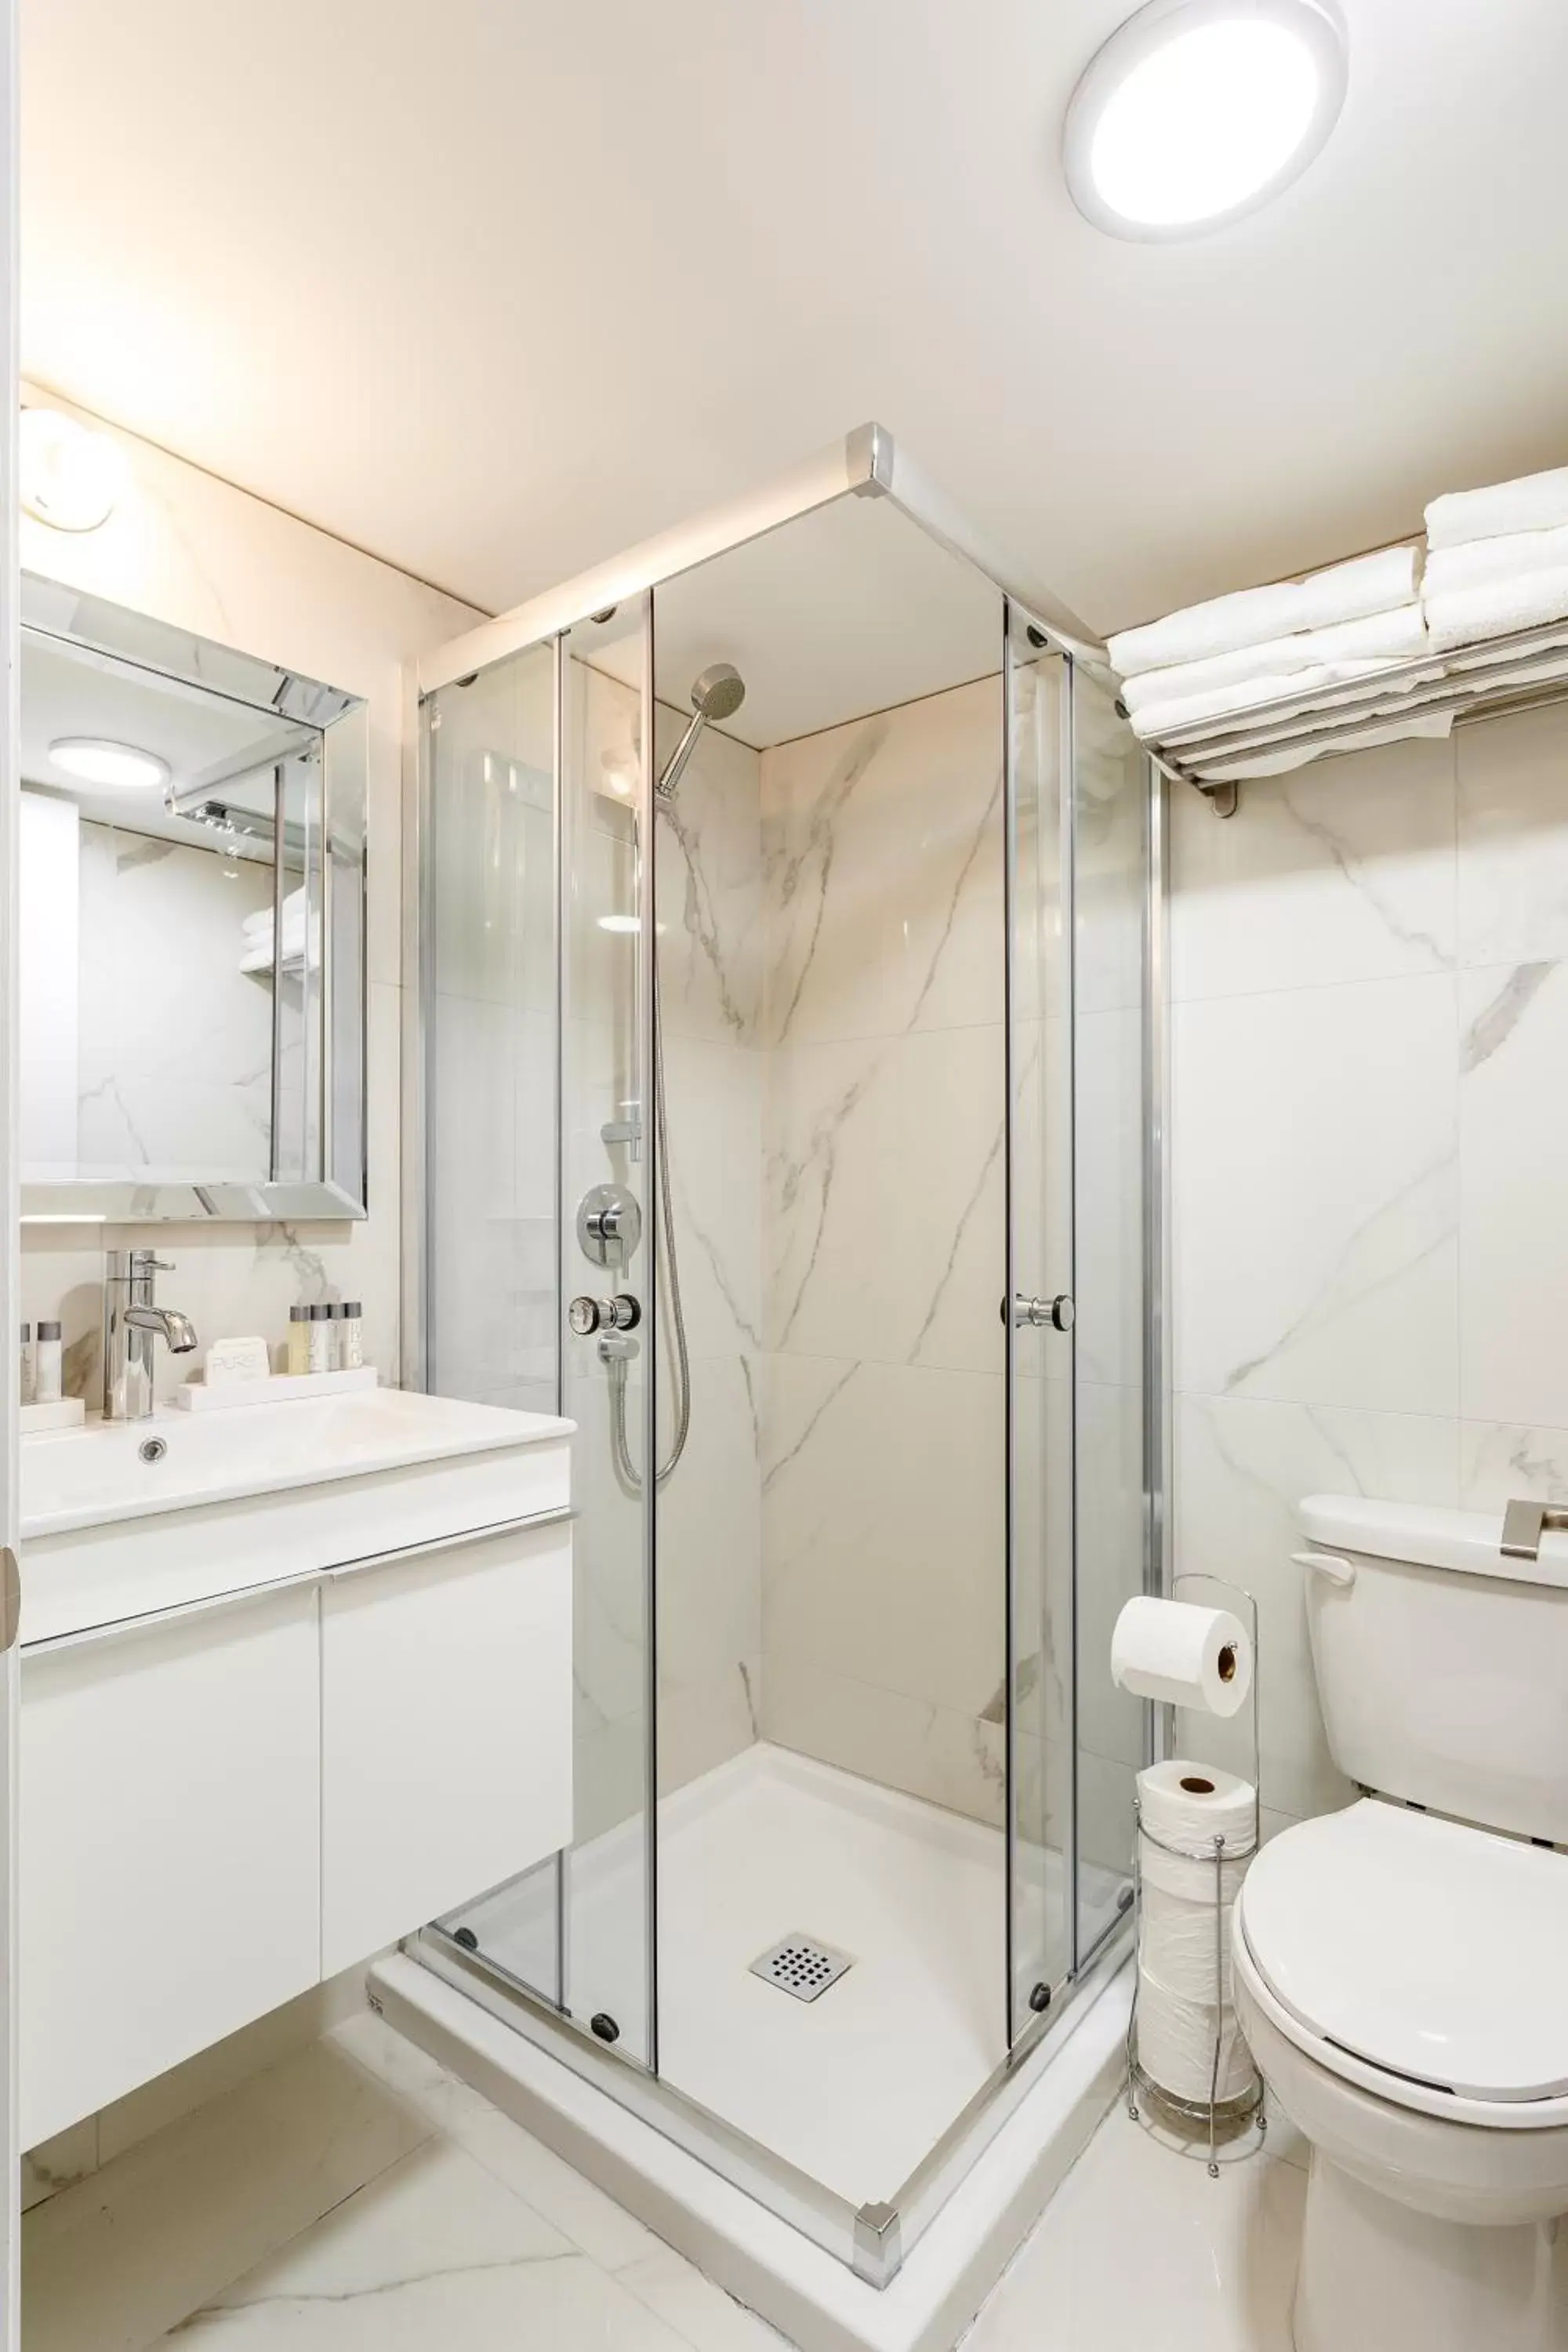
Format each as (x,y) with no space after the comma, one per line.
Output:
(1436,1951)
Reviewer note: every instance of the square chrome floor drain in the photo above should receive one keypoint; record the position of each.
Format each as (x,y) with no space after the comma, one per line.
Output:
(801,1966)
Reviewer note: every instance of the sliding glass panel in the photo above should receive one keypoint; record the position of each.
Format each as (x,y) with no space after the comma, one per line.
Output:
(607,1277)
(490,1015)
(1111,909)
(1040,1339)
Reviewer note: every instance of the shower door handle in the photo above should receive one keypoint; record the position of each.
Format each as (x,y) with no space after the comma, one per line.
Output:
(1057,1313)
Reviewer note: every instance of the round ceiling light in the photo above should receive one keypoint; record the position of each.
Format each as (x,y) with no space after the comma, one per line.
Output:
(119,767)
(1196,111)
(71,477)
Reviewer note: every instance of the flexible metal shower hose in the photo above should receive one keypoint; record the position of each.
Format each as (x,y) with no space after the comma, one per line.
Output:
(668,1290)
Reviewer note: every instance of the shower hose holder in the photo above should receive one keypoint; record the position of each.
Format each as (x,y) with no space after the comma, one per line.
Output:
(1212,2117)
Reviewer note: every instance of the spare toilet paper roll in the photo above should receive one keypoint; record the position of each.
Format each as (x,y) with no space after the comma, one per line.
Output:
(1182,1653)
(1176,2046)
(1182,1948)
(1188,1805)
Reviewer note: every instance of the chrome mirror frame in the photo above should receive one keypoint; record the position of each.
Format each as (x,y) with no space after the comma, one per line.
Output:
(339,723)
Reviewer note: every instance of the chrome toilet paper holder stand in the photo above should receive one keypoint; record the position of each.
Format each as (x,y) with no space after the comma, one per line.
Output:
(1213,2115)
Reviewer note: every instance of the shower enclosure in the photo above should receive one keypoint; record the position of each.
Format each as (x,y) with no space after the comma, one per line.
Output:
(783,1106)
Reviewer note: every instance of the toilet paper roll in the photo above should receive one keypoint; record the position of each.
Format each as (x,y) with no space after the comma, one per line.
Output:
(1188,1805)
(1176,2046)
(1178,1950)
(1182,1653)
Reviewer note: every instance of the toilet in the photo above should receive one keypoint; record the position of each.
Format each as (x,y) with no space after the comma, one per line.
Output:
(1401,1967)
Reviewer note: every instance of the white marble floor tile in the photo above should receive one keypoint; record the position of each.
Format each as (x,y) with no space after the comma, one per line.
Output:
(436,2251)
(709,2320)
(1141,2247)
(111,2264)
(600,2228)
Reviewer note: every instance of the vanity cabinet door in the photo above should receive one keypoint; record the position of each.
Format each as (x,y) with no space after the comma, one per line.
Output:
(170,1845)
(447,1731)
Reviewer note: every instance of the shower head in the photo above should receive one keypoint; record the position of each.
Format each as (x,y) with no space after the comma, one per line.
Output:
(718,693)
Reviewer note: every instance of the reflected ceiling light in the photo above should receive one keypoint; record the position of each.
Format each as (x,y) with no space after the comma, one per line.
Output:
(71,476)
(119,767)
(1196,111)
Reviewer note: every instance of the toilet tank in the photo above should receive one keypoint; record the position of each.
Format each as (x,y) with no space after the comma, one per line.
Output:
(1442,1664)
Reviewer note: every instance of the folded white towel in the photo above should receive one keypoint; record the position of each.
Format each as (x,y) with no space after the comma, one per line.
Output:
(1466,616)
(1435,725)
(1238,702)
(1480,560)
(1345,591)
(1532,502)
(1398,636)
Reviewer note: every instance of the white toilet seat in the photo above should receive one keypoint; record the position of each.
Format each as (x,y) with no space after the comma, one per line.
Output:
(1335,1940)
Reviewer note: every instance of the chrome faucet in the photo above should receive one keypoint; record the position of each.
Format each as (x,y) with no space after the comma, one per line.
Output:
(131,1321)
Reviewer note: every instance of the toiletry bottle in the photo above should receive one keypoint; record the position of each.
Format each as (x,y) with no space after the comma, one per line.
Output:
(351,1337)
(334,1339)
(320,1331)
(298,1357)
(46,1381)
(29,1375)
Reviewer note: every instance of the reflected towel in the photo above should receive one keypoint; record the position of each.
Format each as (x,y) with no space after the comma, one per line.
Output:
(1528,600)
(1399,636)
(1532,502)
(1345,591)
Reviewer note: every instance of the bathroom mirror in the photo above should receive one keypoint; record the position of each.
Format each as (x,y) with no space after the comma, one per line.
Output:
(191,1001)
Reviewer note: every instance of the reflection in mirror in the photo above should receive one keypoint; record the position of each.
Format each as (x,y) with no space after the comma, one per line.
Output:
(178,848)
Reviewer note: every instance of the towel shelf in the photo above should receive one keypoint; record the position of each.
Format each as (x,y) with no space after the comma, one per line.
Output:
(1484,680)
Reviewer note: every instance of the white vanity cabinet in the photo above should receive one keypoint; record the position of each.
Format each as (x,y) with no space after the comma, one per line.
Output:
(269,1728)
(170,1846)
(446,1730)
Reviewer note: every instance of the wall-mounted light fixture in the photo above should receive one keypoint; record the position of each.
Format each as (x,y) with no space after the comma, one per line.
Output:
(71,476)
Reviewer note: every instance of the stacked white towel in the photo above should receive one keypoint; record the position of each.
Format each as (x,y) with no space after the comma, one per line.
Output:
(1298,637)
(1497,560)
(256,951)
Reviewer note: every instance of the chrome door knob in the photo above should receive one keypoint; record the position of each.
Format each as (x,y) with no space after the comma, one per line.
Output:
(621,1313)
(1057,1313)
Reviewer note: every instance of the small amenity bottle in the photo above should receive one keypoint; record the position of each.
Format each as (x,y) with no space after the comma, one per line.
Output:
(320,1331)
(299,1356)
(28,1391)
(50,1368)
(351,1336)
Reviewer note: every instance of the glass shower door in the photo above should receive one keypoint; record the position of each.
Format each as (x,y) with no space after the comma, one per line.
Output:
(608,1147)
(539,1263)
(1042,1502)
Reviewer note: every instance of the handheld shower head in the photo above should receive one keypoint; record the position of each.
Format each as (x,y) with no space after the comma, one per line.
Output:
(717,693)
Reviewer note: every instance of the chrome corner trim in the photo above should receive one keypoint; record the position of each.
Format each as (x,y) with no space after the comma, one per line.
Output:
(822,479)
(871,453)
(877,2250)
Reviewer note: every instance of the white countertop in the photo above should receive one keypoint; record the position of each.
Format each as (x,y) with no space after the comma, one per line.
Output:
(96,1475)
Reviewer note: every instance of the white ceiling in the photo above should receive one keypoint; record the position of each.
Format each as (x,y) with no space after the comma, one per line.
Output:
(496,288)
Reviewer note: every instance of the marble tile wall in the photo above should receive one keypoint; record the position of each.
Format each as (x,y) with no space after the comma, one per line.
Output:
(177,1072)
(201,554)
(883,1430)
(1370,1029)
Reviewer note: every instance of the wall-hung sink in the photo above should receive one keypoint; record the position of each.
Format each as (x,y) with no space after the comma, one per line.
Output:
(296,1679)
(121,1519)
